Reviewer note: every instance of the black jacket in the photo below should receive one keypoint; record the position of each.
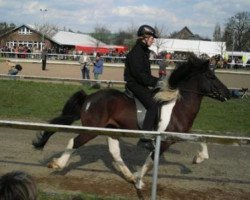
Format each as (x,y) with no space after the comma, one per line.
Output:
(137,66)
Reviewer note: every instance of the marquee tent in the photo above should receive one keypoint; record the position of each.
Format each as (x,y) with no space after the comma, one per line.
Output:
(85,43)
(101,49)
(198,47)
(72,39)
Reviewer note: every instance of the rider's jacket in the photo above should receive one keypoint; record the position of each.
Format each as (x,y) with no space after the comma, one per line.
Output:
(137,66)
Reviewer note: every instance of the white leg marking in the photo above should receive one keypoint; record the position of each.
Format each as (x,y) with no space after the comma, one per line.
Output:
(148,165)
(62,161)
(166,112)
(115,151)
(202,154)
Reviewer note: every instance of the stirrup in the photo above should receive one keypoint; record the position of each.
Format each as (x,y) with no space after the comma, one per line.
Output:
(145,143)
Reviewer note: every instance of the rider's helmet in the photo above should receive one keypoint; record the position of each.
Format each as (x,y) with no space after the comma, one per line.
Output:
(146,30)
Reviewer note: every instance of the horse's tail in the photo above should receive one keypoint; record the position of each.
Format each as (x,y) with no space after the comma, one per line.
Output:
(70,113)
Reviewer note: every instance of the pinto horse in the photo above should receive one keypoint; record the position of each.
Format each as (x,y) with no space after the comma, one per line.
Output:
(113,109)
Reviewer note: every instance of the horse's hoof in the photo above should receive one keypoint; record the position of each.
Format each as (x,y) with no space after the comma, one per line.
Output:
(139,185)
(198,159)
(53,164)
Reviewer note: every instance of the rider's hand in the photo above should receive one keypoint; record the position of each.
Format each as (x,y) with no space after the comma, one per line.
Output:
(161,84)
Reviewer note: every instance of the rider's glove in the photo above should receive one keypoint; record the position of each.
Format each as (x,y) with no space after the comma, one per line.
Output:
(161,84)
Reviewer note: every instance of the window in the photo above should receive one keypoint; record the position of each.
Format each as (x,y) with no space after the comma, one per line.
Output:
(24,31)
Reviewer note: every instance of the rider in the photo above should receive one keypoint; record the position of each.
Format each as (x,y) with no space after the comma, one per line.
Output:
(137,74)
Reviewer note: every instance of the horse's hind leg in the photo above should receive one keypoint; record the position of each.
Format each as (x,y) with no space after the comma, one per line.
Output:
(148,165)
(42,138)
(73,144)
(115,151)
(202,154)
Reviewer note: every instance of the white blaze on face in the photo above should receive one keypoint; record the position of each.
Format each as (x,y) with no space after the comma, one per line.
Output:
(166,113)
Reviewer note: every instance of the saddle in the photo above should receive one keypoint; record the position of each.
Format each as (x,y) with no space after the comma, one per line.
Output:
(141,110)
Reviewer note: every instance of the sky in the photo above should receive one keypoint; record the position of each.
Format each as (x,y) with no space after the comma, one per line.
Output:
(84,15)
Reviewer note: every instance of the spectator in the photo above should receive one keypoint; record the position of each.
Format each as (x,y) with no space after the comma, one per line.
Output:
(17,185)
(98,66)
(163,63)
(212,64)
(14,69)
(85,66)
(44,58)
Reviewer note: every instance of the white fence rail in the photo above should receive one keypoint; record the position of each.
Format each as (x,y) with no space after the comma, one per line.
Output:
(218,139)
(233,140)
(109,83)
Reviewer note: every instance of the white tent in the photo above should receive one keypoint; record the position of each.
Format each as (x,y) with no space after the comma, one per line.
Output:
(196,46)
(70,38)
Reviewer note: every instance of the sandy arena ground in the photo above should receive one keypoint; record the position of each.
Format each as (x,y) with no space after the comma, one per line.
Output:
(225,176)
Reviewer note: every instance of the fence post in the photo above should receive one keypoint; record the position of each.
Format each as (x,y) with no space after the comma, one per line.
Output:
(155,169)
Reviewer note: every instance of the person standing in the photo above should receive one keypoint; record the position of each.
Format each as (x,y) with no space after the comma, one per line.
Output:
(137,74)
(85,66)
(162,67)
(98,66)
(44,58)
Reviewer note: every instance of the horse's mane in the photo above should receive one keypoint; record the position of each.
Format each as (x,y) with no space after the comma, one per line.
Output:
(185,70)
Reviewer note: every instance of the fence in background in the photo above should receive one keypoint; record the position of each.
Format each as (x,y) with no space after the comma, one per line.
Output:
(74,58)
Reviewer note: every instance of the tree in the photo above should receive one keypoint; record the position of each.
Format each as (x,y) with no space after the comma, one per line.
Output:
(217,33)
(122,37)
(126,37)
(5,27)
(162,34)
(47,29)
(101,34)
(237,32)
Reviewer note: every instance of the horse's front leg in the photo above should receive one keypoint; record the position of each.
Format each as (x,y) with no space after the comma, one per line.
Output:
(148,165)
(73,144)
(61,162)
(115,151)
(202,154)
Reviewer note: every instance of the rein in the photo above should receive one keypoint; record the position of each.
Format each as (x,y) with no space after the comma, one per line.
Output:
(192,91)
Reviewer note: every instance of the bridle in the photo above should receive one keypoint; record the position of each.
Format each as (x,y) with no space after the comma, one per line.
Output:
(192,91)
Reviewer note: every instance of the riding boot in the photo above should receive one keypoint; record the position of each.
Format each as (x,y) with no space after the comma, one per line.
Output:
(148,142)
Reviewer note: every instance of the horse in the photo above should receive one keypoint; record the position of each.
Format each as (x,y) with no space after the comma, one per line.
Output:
(111,108)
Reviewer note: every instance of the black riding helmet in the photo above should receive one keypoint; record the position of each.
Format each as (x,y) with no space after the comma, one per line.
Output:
(146,30)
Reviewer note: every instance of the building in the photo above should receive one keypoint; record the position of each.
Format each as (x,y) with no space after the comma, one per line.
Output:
(187,34)
(26,36)
(85,43)
(78,41)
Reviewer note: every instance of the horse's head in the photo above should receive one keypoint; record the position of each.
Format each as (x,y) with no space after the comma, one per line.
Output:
(195,76)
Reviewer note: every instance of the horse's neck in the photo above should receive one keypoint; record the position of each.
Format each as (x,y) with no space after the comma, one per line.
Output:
(185,112)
